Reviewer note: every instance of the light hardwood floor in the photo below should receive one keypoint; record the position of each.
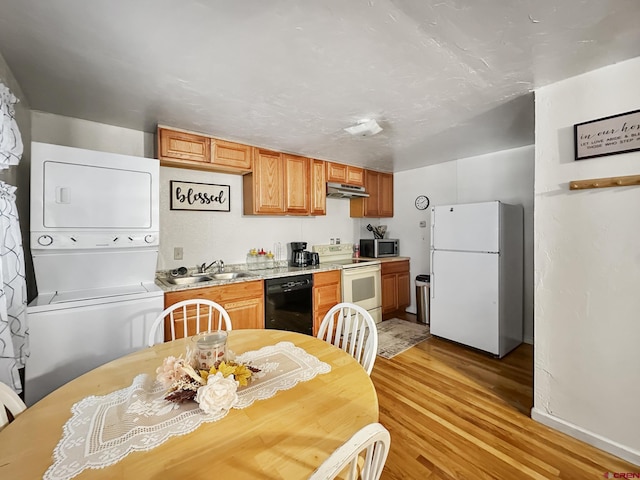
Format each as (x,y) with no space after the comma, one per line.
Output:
(454,413)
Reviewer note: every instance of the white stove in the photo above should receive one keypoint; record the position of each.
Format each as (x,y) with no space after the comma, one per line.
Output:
(360,277)
(341,254)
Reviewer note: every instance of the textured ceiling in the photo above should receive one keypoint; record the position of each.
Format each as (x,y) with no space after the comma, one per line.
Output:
(445,79)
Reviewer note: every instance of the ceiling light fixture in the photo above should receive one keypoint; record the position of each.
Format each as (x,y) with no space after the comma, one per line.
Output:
(364,128)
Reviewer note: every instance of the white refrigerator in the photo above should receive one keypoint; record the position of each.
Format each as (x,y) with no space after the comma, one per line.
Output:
(477,275)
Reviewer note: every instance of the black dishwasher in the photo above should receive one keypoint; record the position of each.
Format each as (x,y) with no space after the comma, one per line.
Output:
(289,303)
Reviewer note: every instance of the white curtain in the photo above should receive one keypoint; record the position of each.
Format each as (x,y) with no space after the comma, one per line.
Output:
(10,138)
(14,345)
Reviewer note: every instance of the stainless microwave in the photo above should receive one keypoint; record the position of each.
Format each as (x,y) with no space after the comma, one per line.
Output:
(379,247)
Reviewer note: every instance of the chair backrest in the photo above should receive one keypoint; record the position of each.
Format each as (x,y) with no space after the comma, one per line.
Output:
(200,314)
(372,441)
(9,400)
(351,328)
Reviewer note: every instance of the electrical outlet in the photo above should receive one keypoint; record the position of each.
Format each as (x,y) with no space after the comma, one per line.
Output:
(177,253)
(423,223)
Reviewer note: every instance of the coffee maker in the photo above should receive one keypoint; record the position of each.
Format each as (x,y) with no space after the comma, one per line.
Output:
(298,256)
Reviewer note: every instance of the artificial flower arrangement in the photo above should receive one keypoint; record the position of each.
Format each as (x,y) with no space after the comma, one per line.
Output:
(214,390)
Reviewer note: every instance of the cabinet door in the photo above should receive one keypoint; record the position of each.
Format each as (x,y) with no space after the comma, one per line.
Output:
(230,156)
(336,172)
(389,287)
(268,182)
(355,175)
(318,188)
(404,290)
(327,292)
(385,195)
(175,145)
(297,184)
(174,297)
(372,187)
(248,313)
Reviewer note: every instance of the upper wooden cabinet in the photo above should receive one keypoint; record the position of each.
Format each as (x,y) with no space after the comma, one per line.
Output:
(297,183)
(281,184)
(379,186)
(318,188)
(202,152)
(231,156)
(337,172)
(182,146)
(263,188)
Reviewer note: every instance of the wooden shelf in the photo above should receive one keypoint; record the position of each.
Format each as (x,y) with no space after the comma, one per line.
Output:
(605,182)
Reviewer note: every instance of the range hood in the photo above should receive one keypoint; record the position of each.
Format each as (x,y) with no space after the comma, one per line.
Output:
(341,190)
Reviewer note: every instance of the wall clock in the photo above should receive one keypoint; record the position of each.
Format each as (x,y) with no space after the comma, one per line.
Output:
(422,202)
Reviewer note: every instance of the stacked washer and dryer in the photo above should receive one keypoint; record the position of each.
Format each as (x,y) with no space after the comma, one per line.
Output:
(94,242)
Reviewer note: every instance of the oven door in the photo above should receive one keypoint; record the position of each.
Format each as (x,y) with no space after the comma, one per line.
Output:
(361,285)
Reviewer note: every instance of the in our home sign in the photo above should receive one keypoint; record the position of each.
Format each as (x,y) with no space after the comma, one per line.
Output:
(199,196)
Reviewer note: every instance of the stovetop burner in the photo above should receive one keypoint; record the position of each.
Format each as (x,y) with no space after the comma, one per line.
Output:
(341,254)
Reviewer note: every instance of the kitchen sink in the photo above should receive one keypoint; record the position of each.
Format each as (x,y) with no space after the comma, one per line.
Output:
(188,280)
(228,275)
(204,277)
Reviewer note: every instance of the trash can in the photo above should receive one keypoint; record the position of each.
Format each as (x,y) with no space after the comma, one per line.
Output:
(422,298)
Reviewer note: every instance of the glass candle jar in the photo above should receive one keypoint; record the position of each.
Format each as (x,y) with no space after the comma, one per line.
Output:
(209,348)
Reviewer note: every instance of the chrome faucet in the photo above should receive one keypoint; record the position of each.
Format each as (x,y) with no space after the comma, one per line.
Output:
(204,267)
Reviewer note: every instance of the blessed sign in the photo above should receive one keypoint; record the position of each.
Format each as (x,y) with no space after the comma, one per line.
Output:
(199,196)
(607,136)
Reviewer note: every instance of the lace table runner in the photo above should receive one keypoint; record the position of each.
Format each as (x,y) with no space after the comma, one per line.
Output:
(103,430)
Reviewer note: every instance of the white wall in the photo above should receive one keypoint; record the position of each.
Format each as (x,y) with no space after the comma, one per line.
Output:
(203,236)
(208,236)
(506,176)
(587,269)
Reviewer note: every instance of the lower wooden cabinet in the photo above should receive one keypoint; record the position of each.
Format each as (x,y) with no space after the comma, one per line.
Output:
(327,292)
(396,287)
(244,302)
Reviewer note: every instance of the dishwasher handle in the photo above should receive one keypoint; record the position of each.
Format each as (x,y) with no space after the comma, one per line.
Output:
(283,285)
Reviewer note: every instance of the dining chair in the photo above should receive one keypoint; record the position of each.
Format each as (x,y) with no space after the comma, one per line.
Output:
(194,313)
(351,328)
(372,441)
(9,400)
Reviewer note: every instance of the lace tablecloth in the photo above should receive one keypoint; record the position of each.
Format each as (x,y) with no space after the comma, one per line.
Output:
(103,430)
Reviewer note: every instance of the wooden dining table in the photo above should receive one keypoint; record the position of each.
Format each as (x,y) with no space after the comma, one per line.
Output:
(283,437)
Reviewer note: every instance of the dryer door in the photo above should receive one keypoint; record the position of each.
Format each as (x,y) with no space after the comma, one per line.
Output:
(86,196)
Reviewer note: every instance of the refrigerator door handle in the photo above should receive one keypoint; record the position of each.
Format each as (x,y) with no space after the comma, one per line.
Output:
(433,224)
(432,289)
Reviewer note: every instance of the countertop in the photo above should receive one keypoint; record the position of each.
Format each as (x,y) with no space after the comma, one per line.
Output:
(283,271)
(387,259)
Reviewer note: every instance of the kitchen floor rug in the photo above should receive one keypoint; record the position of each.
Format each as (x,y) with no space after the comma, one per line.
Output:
(395,336)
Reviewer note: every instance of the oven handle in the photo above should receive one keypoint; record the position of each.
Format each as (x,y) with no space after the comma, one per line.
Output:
(347,272)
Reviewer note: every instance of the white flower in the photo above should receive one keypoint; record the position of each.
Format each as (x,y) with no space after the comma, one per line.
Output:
(218,394)
(170,371)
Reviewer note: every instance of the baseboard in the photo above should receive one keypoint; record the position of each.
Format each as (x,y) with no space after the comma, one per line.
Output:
(528,339)
(586,436)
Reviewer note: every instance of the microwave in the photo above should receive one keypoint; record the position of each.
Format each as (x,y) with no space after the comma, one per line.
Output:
(379,247)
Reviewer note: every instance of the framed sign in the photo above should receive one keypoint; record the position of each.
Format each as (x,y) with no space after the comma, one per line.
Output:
(199,196)
(607,136)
